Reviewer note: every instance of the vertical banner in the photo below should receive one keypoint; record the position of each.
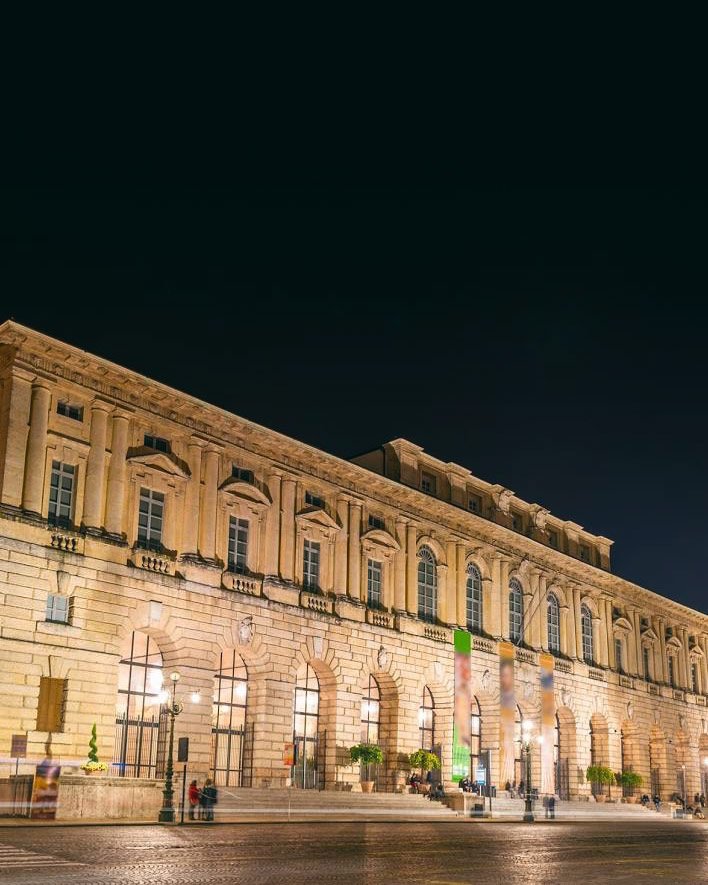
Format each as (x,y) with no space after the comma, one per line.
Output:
(548,724)
(507,714)
(463,703)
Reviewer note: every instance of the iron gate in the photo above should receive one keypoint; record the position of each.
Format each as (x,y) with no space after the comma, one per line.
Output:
(141,745)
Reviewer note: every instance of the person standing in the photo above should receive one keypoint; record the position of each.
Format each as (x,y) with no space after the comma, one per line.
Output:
(193,799)
(210,795)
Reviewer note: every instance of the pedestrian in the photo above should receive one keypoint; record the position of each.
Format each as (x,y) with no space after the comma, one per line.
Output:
(203,802)
(545,805)
(702,800)
(210,796)
(193,798)
(552,807)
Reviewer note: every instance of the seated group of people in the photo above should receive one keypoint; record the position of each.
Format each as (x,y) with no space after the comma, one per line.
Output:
(431,790)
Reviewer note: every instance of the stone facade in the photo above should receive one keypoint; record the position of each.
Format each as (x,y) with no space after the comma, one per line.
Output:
(294,597)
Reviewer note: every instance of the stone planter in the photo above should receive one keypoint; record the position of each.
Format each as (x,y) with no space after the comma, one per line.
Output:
(98,772)
(367,786)
(632,800)
(601,798)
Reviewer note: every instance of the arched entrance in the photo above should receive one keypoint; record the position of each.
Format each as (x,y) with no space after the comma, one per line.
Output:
(370,725)
(228,731)
(426,721)
(629,748)
(658,763)
(141,723)
(599,747)
(566,780)
(308,768)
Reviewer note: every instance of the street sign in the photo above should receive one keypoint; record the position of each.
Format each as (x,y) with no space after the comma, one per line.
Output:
(183,750)
(481,775)
(18,747)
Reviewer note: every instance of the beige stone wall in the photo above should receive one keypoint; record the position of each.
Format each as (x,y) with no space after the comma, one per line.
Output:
(267,615)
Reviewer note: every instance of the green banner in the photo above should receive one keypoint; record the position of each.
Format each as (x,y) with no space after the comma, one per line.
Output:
(463,700)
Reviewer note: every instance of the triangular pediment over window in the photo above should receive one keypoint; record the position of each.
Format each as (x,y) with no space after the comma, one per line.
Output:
(245,491)
(162,461)
(381,538)
(650,635)
(673,643)
(696,651)
(319,517)
(622,624)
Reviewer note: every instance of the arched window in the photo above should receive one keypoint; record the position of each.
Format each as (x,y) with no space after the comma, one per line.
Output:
(306,728)
(475,734)
(426,720)
(586,633)
(516,611)
(370,712)
(554,638)
(229,719)
(140,696)
(427,585)
(474,599)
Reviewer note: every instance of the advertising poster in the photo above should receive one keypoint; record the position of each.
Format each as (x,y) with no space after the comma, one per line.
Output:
(463,703)
(45,792)
(507,713)
(548,723)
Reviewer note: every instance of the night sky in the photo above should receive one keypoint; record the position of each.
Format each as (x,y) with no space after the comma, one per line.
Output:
(553,341)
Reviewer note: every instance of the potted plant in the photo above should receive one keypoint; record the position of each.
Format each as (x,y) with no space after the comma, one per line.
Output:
(599,775)
(368,755)
(425,761)
(93,765)
(630,780)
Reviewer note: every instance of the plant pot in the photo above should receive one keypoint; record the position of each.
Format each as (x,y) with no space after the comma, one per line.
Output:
(632,800)
(367,786)
(601,798)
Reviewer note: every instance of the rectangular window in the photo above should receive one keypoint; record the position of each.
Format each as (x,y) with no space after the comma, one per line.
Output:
(238,545)
(584,553)
(374,598)
(646,661)
(50,707)
(427,483)
(157,443)
(314,500)
(311,565)
(694,678)
(474,504)
(619,663)
(61,493)
(672,675)
(242,473)
(76,413)
(553,539)
(375,522)
(57,609)
(150,517)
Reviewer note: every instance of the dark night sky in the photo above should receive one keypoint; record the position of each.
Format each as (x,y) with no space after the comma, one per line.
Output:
(550,340)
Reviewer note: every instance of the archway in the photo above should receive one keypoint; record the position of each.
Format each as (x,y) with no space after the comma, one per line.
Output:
(141,725)
(599,747)
(629,752)
(387,730)
(684,779)
(228,731)
(567,755)
(658,763)
(314,716)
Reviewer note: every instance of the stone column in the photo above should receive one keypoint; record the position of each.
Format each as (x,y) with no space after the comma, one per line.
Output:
(686,655)
(577,611)
(287,529)
(631,663)
(461,589)
(565,633)
(96,466)
(600,639)
(36,448)
(272,526)
(354,583)
(662,674)
(503,596)
(115,498)
(442,608)
(570,648)
(451,584)
(703,643)
(190,521)
(495,628)
(399,568)
(638,657)
(15,448)
(411,571)
(340,548)
(207,514)
(539,619)
(610,634)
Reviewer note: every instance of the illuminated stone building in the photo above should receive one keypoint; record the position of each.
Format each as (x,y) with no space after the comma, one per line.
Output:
(302,598)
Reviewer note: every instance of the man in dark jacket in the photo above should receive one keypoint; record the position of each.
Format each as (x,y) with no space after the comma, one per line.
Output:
(210,797)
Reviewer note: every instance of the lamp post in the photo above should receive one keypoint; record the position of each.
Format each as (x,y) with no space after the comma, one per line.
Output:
(167,812)
(526,729)
(683,787)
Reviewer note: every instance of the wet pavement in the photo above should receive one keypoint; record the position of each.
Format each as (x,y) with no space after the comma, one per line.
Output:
(445,853)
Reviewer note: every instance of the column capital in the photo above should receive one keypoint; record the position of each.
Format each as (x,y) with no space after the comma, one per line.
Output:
(122,414)
(40,383)
(101,405)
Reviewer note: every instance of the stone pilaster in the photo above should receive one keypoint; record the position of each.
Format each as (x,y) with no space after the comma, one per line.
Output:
(190,523)
(115,497)
(15,443)
(207,516)
(461,587)
(411,571)
(272,526)
(354,565)
(287,529)
(399,568)
(341,541)
(96,466)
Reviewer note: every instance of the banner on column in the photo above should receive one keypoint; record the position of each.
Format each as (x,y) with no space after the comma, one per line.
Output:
(463,703)
(507,713)
(548,724)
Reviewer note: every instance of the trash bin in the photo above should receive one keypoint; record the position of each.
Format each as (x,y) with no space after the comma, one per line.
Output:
(478,809)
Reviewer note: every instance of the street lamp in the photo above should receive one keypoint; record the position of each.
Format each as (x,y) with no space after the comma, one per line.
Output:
(167,812)
(526,730)
(683,786)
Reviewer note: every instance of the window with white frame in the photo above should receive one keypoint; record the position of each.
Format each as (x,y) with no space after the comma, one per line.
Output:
(516,611)
(586,634)
(238,545)
(474,599)
(311,565)
(150,519)
(554,642)
(374,596)
(427,585)
(58,608)
(62,488)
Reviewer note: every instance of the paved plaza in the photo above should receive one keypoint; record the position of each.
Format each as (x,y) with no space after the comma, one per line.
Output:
(436,854)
